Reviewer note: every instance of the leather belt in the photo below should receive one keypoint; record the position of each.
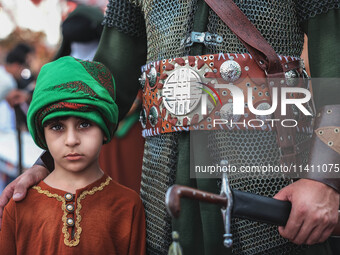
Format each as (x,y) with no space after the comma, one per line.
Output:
(189,93)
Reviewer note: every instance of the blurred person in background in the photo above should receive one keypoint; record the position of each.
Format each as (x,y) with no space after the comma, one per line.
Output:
(81,31)
(17,71)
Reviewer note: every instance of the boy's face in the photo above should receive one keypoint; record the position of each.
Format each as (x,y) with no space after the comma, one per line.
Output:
(74,143)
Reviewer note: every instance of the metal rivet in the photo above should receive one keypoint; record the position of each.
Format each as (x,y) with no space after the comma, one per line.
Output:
(330,143)
(246,68)
(263,106)
(142,118)
(292,78)
(211,64)
(230,70)
(142,80)
(336,130)
(320,132)
(205,58)
(329,111)
(153,116)
(226,112)
(211,57)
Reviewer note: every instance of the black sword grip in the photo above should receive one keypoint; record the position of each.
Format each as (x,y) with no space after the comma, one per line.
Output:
(259,208)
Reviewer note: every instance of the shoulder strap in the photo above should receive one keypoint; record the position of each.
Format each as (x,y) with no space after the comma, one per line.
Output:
(263,53)
(266,58)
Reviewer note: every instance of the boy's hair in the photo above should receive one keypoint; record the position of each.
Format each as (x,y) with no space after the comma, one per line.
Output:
(72,87)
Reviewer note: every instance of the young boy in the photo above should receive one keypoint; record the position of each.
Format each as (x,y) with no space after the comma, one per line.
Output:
(77,209)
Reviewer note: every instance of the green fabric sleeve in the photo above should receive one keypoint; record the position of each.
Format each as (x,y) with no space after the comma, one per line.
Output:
(123,55)
(324,56)
(126,124)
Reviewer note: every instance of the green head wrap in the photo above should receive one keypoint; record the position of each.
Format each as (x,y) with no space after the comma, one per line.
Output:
(73,87)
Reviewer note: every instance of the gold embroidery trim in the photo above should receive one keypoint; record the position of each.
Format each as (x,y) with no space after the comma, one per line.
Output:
(76,239)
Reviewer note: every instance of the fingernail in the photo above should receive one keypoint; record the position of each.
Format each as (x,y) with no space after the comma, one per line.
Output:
(17,195)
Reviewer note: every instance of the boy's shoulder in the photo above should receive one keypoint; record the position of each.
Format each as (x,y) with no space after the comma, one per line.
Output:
(123,193)
(12,205)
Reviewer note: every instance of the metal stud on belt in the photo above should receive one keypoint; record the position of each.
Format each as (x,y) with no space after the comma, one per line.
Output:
(230,70)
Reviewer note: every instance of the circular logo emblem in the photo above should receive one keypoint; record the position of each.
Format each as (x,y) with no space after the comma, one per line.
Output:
(182,91)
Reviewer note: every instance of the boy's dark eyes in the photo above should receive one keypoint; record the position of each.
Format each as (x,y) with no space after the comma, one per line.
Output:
(59,126)
(56,127)
(84,124)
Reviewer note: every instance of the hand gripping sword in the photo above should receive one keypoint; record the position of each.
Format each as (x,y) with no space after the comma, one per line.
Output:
(236,204)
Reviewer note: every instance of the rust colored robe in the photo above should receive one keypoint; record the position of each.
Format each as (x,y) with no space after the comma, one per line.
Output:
(108,219)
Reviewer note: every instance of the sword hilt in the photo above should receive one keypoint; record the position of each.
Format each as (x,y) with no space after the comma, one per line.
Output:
(226,211)
(176,192)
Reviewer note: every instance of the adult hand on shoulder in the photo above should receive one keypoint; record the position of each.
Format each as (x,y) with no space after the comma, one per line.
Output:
(18,188)
(314,211)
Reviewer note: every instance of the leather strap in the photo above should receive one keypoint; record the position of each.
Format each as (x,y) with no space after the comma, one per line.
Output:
(323,159)
(266,58)
(248,34)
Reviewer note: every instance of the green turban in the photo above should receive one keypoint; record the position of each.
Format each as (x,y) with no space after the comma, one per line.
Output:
(73,87)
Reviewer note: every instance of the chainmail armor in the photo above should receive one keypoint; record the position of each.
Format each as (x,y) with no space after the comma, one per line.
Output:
(165,27)
(310,8)
(126,17)
(167,23)
(158,174)
(276,21)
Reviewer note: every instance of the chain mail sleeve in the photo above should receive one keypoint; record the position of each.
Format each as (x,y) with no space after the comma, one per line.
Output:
(307,9)
(126,16)
(122,49)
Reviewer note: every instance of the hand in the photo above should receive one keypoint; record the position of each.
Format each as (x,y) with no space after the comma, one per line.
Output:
(314,211)
(18,187)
